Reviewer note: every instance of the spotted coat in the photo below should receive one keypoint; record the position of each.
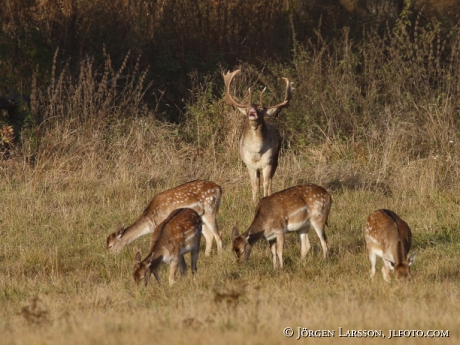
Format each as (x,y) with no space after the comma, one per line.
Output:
(202,196)
(292,209)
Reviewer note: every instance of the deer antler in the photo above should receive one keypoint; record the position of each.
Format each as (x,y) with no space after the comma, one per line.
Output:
(287,95)
(261,105)
(228,98)
(228,77)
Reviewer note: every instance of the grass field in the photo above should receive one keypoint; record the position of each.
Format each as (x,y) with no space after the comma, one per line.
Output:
(58,284)
(376,123)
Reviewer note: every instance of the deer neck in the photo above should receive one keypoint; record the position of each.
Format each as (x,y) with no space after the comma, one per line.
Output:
(256,231)
(143,225)
(255,130)
(400,257)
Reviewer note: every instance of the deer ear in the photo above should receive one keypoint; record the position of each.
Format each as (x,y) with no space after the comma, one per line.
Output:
(235,232)
(137,257)
(272,112)
(411,259)
(120,230)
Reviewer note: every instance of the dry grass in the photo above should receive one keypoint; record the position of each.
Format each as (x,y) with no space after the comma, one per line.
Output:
(101,156)
(59,285)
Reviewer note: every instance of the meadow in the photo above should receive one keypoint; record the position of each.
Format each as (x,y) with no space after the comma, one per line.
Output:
(376,123)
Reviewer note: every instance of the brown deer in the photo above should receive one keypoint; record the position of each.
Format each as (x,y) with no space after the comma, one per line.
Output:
(389,237)
(177,235)
(202,196)
(292,209)
(260,142)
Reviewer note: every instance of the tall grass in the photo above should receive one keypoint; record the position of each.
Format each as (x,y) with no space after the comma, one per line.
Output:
(375,123)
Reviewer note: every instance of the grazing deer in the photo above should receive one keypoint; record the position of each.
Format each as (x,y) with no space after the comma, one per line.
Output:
(177,235)
(202,196)
(389,237)
(292,209)
(260,142)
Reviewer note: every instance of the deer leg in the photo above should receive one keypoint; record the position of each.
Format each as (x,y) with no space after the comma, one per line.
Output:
(182,265)
(209,231)
(268,173)
(254,176)
(319,228)
(194,253)
(386,270)
(279,248)
(272,244)
(373,261)
(208,236)
(172,272)
(304,243)
(157,277)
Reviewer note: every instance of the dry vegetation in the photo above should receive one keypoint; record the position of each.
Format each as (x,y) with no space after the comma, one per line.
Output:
(375,122)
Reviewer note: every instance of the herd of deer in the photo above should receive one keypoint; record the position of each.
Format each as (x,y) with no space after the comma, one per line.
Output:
(177,217)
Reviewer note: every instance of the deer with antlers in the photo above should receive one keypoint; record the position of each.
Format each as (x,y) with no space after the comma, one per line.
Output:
(389,237)
(260,142)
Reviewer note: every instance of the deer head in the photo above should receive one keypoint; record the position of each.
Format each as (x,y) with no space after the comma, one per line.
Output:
(402,269)
(141,269)
(242,244)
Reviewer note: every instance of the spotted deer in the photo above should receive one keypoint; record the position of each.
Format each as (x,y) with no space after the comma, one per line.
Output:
(389,237)
(202,196)
(292,209)
(260,141)
(178,234)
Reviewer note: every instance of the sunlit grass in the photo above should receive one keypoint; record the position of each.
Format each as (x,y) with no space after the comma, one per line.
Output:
(96,165)
(53,249)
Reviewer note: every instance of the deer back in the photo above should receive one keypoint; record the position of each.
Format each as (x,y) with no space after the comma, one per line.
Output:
(201,196)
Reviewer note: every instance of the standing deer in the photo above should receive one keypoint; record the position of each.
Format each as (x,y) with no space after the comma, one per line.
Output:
(202,196)
(177,235)
(260,142)
(292,209)
(389,237)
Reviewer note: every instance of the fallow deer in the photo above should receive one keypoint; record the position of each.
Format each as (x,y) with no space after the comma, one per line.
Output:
(202,196)
(292,209)
(177,235)
(260,141)
(389,237)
